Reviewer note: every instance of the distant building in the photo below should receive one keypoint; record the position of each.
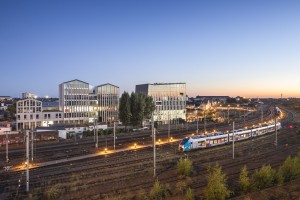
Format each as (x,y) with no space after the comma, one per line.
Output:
(30,114)
(27,95)
(169,98)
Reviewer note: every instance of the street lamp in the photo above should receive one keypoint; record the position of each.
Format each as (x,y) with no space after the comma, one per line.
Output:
(228,114)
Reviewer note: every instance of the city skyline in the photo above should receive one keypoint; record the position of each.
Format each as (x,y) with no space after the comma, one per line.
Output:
(232,48)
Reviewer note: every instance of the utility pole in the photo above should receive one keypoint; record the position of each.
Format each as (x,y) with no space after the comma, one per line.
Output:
(154,150)
(204,121)
(95,130)
(262,114)
(197,123)
(7,160)
(114,136)
(276,130)
(27,160)
(32,146)
(228,114)
(96,145)
(233,140)
(169,128)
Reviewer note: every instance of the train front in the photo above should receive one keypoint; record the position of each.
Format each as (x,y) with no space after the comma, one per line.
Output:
(184,145)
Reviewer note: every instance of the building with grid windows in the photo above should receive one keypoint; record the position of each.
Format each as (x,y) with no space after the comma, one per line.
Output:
(74,101)
(30,114)
(169,98)
(106,98)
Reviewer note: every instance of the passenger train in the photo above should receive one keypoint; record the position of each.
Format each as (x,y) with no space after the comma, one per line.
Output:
(219,138)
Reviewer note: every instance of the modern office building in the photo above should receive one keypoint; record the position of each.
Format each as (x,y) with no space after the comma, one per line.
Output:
(169,98)
(78,104)
(74,101)
(106,98)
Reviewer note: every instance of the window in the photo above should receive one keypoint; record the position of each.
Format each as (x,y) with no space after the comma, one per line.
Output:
(45,116)
(18,117)
(37,116)
(31,116)
(25,116)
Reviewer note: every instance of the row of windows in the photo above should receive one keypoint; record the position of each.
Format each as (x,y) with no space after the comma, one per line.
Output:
(37,116)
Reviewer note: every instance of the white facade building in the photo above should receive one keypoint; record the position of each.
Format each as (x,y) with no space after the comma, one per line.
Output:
(169,98)
(29,114)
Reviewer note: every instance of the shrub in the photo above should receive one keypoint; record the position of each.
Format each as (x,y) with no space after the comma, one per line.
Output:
(53,192)
(157,191)
(264,177)
(216,188)
(189,194)
(244,180)
(290,169)
(184,166)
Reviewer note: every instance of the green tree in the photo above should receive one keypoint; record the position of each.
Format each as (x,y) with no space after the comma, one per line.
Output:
(134,109)
(184,166)
(149,107)
(12,110)
(124,109)
(157,191)
(264,177)
(244,180)
(290,169)
(216,188)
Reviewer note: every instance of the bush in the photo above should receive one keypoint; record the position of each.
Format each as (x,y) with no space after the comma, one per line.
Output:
(216,188)
(189,194)
(53,192)
(157,192)
(184,166)
(244,180)
(264,177)
(290,169)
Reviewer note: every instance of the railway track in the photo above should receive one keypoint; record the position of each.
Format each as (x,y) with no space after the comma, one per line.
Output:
(114,169)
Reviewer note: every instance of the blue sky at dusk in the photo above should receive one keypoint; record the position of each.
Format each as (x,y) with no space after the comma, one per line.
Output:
(247,47)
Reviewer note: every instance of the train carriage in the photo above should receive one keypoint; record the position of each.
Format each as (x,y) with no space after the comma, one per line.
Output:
(210,140)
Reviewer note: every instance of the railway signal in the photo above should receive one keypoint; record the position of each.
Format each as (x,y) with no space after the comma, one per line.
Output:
(154,149)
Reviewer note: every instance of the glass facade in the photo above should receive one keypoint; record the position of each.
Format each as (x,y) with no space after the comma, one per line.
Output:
(74,101)
(107,104)
(170,100)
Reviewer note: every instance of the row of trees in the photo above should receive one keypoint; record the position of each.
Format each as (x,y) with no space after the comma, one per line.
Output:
(262,178)
(135,108)
(217,188)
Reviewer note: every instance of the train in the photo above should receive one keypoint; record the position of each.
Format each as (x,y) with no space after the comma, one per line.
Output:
(219,138)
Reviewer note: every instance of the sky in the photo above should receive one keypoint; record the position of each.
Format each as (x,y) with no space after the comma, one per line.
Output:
(245,48)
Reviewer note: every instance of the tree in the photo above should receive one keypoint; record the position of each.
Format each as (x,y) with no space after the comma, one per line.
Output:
(157,191)
(124,109)
(134,108)
(184,166)
(264,177)
(244,180)
(149,107)
(216,188)
(290,169)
